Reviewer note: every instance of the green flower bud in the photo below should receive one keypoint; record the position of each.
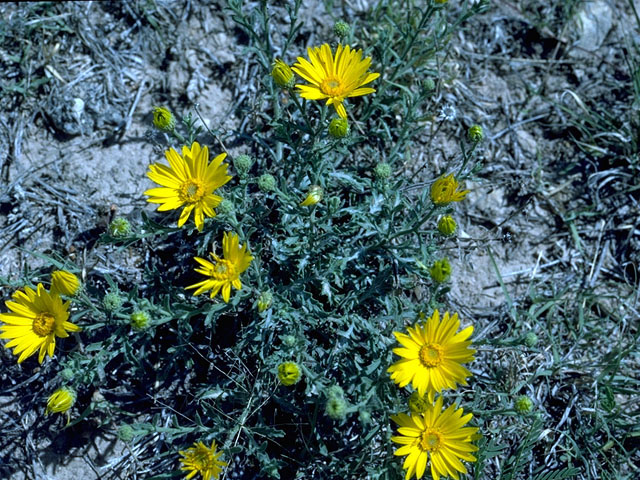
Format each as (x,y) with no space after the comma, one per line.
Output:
(120,227)
(264,301)
(336,408)
(364,417)
(242,164)
(341,29)
(288,373)
(267,183)
(382,171)
(428,85)
(334,203)
(475,133)
(67,374)
(447,225)
(335,391)
(163,119)
(523,404)
(126,433)
(339,128)
(139,320)
(225,206)
(112,301)
(531,339)
(441,270)
(289,340)
(418,404)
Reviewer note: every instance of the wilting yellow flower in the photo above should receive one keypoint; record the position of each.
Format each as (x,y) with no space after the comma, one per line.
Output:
(203,460)
(288,373)
(437,437)
(189,181)
(163,119)
(60,401)
(445,190)
(225,271)
(64,283)
(334,78)
(37,317)
(314,196)
(282,74)
(433,355)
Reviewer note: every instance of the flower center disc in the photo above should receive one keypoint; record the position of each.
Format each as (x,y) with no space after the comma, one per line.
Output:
(191,191)
(223,269)
(431,355)
(430,440)
(331,86)
(43,324)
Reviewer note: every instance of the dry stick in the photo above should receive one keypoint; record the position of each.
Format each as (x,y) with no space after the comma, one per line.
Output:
(197,109)
(133,106)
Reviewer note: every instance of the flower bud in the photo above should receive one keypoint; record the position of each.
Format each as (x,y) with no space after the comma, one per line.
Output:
(266,182)
(282,74)
(64,283)
(441,270)
(126,433)
(225,207)
(336,408)
(447,225)
(163,119)
(428,85)
(112,301)
(264,301)
(339,128)
(341,29)
(120,227)
(242,164)
(335,391)
(61,400)
(382,171)
(530,339)
(314,196)
(289,340)
(365,417)
(475,133)
(288,373)
(523,404)
(417,403)
(139,320)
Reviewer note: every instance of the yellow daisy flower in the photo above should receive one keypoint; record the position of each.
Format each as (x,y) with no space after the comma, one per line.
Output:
(203,460)
(334,78)
(437,437)
(445,190)
(225,271)
(433,355)
(189,181)
(37,317)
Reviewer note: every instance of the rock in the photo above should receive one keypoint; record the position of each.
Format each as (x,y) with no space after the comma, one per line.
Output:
(592,24)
